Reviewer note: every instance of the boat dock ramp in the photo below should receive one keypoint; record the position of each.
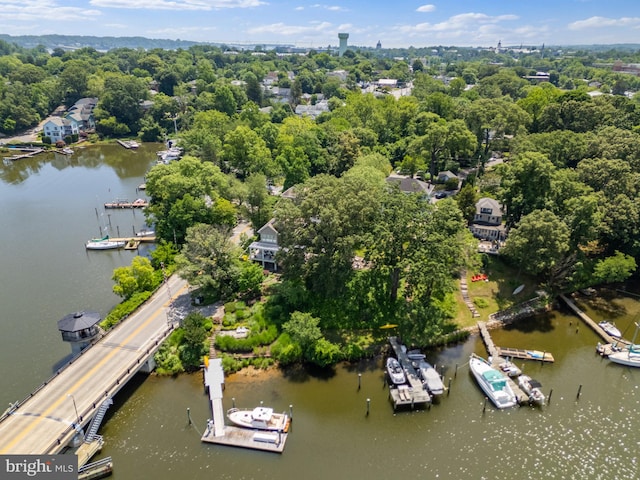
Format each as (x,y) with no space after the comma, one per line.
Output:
(219,433)
(412,393)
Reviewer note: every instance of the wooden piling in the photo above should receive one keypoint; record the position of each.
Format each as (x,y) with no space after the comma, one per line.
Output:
(579,392)
(368,405)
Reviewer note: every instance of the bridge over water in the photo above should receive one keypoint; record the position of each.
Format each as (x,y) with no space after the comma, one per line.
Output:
(47,420)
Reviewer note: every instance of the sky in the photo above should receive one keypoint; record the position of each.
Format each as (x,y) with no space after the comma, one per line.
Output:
(395,23)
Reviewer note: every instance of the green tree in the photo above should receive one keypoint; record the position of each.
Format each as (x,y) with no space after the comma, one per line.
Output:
(209,260)
(616,268)
(138,277)
(304,330)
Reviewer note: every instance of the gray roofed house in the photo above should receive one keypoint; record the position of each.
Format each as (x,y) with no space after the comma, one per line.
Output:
(79,329)
(409,185)
(487,221)
(264,250)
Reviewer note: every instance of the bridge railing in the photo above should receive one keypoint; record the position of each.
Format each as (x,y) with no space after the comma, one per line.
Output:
(64,437)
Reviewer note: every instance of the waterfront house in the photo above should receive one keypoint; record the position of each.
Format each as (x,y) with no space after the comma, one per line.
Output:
(487,221)
(57,128)
(266,248)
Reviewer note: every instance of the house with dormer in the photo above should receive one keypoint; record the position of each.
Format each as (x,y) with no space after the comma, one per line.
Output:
(57,129)
(487,221)
(265,249)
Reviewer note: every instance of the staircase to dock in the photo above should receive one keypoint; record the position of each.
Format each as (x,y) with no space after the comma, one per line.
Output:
(97,420)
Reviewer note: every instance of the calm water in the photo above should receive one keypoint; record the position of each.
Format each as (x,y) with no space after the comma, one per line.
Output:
(49,210)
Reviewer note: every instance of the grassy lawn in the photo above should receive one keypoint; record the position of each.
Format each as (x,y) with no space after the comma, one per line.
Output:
(496,293)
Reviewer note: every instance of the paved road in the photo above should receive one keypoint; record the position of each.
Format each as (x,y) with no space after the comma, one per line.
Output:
(49,415)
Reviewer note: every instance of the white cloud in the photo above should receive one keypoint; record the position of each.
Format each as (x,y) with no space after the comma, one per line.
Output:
(31,10)
(177,32)
(283,29)
(604,22)
(426,8)
(177,4)
(463,23)
(299,9)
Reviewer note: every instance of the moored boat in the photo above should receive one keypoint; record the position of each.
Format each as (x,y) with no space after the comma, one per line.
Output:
(509,368)
(104,244)
(430,378)
(610,329)
(493,382)
(395,371)
(532,388)
(260,418)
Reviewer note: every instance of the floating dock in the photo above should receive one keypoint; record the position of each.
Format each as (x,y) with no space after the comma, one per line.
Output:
(219,433)
(412,393)
(139,203)
(30,153)
(128,144)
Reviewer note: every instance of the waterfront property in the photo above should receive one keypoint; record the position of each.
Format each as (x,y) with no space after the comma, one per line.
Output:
(265,250)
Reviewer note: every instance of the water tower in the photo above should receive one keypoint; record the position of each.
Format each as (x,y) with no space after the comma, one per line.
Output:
(343,43)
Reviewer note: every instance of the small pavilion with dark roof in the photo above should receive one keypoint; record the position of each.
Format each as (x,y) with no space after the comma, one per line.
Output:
(79,329)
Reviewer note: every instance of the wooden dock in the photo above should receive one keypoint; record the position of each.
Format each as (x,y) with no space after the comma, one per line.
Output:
(219,433)
(495,351)
(611,344)
(31,152)
(128,144)
(413,393)
(139,203)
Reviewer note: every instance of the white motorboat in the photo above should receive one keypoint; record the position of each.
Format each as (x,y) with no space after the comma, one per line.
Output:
(492,382)
(145,233)
(629,355)
(610,329)
(532,388)
(430,378)
(416,355)
(509,368)
(260,418)
(395,371)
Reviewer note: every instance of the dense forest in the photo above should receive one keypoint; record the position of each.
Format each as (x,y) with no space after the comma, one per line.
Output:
(355,252)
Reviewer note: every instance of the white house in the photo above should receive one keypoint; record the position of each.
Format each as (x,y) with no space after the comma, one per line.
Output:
(57,128)
(487,222)
(264,250)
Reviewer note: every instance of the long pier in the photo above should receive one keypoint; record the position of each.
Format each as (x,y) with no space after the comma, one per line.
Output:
(413,394)
(48,419)
(609,341)
(139,203)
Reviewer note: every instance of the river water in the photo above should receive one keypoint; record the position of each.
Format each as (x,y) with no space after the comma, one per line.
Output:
(49,210)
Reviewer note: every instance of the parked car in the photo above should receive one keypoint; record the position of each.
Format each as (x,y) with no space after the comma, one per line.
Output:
(441,195)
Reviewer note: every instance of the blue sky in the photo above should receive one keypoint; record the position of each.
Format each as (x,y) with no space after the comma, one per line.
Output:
(399,23)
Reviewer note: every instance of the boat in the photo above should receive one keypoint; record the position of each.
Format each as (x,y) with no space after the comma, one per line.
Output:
(416,355)
(532,388)
(509,368)
(518,289)
(146,233)
(629,355)
(260,418)
(67,151)
(104,243)
(395,371)
(492,382)
(610,329)
(430,378)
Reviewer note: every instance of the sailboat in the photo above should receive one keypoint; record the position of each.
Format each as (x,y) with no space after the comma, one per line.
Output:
(629,356)
(104,243)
